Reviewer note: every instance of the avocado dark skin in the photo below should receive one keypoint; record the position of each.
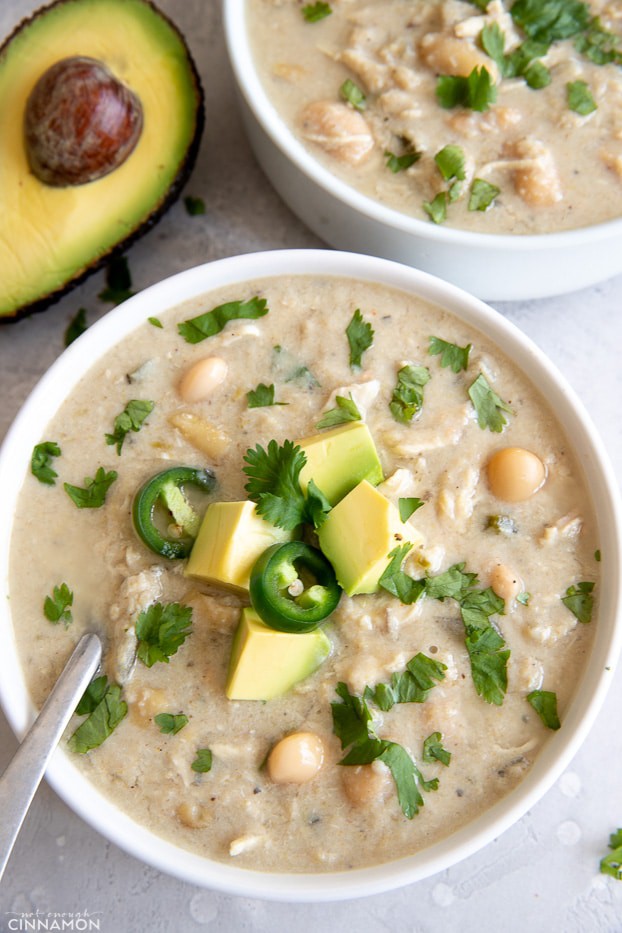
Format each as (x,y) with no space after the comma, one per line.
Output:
(114,174)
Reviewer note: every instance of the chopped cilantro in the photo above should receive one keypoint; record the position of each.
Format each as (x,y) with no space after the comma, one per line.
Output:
(274,483)
(352,93)
(597,556)
(477,606)
(450,163)
(262,396)
(598,45)
(489,659)
(482,194)
(131,419)
(545,704)
(456,358)
(407,397)
(203,761)
(488,406)
(77,325)
(169,723)
(318,505)
(360,336)
(194,206)
(433,749)
(408,505)
(212,322)
(611,864)
(476,92)
(345,412)
(436,209)
(118,282)
(56,607)
(523,598)
(105,710)
(398,583)
(313,12)
(413,685)
(550,20)
(520,62)
(537,75)
(93,494)
(161,630)
(580,98)
(41,462)
(399,163)
(580,601)
(155,322)
(453,583)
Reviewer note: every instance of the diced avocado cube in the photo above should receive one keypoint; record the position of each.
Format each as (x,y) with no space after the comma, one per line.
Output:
(266,663)
(231,538)
(358,535)
(338,460)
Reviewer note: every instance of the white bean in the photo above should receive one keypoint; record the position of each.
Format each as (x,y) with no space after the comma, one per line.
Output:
(202,378)
(296,759)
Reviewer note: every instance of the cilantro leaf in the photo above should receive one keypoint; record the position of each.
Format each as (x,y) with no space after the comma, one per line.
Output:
(477,606)
(130,419)
(523,598)
(450,163)
(194,206)
(550,20)
(436,209)
(489,658)
(155,322)
(93,695)
(93,494)
(433,749)
(318,505)
(545,704)
(170,724)
(103,719)
(453,356)
(413,685)
(407,397)
(488,406)
(56,607)
(274,483)
(405,774)
(352,718)
(41,462)
(580,98)
(477,91)
(203,761)
(398,583)
(599,45)
(399,163)
(161,630)
(482,194)
(407,506)
(313,12)
(118,282)
(345,412)
(611,864)
(77,325)
(353,95)
(580,601)
(360,336)
(452,583)
(212,322)
(262,396)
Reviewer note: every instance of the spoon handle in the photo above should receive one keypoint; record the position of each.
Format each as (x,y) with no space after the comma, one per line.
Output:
(24,772)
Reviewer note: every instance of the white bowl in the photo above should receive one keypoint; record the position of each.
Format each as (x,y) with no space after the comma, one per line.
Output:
(97,810)
(499,267)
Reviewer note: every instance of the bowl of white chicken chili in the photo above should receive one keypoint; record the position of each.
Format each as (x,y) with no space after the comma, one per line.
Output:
(478,141)
(351,545)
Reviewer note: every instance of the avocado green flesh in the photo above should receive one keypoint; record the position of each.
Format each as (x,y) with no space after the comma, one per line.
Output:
(51,238)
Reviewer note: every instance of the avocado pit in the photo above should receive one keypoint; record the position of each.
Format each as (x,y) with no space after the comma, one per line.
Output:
(80,123)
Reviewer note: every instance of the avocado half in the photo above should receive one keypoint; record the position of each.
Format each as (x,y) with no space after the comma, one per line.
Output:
(51,238)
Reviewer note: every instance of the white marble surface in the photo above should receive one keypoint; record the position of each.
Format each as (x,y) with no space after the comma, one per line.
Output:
(541,875)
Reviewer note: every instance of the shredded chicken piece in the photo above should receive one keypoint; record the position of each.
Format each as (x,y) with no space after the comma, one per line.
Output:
(338,129)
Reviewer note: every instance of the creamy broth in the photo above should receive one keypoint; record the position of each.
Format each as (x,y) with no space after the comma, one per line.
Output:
(235,812)
(554,168)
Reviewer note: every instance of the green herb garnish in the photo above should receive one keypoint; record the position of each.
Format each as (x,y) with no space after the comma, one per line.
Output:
(262,396)
(56,607)
(488,406)
(407,397)
(502,524)
(345,412)
(194,206)
(352,93)
(41,462)
(77,325)
(580,601)
(203,761)
(433,749)
(476,92)
(360,336)
(407,506)
(523,598)
(548,21)
(131,419)
(399,163)
(93,494)
(212,322)
(169,723)
(482,194)
(398,583)
(106,709)
(290,369)
(450,163)
(313,12)
(545,704)
(274,483)
(612,864)
(161,630)
(598,45)
(413,685)
(318,506)
(155,322)
(118,282)
(580,98)
(452,356)
(436,209)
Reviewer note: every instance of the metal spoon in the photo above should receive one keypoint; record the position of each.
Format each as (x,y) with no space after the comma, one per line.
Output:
(24,772)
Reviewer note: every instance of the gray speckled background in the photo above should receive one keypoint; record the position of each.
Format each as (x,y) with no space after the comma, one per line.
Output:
(541,875)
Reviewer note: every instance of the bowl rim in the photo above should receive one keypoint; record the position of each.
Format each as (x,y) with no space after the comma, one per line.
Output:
(251,87)
(73,787)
